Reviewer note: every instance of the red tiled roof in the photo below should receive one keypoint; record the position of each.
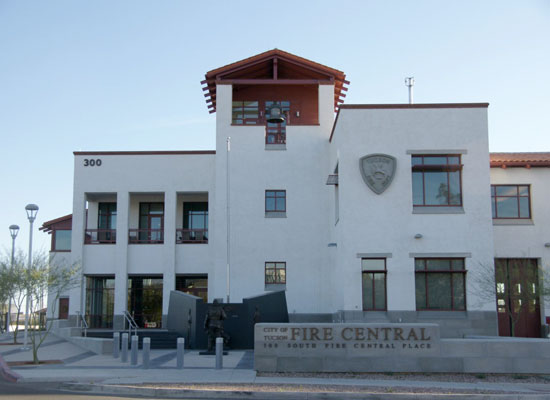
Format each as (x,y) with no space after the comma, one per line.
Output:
(526,160)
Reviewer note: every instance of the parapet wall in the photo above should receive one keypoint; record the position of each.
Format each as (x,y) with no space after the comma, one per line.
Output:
(391,348)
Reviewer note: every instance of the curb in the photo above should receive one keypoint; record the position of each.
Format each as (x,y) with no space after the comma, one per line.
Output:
(7,373)
(239,395)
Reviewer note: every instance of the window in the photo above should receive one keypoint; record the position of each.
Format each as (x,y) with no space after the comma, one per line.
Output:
(195,223)
(106,218)
(62,240)
(437,180)
(374,284)
(510,201)
(151,224)
(196,285)
(275,273)
(245,113)
(440,284)
(106,223)
(275,201)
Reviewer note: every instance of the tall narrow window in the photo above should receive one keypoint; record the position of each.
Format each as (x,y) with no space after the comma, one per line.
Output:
(374,284)
(275,273)
(440,284)
(275,201)
(510,201)
(106,223)
(437,180)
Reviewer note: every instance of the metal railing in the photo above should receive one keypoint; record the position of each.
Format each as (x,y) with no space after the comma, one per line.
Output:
(131,324)
(100,236)
(140,236)
(191,235)
(81,323)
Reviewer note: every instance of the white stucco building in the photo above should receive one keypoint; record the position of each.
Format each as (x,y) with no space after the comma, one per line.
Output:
(301,216)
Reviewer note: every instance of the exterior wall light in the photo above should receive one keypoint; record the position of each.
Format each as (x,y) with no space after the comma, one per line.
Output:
(547,244)
(418,236)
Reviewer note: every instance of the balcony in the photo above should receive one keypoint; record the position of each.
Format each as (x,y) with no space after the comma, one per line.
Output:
(100,236)
(191,236)
(146,236)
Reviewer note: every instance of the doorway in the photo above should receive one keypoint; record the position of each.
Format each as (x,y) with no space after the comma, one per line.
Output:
(518,302)
(64,308)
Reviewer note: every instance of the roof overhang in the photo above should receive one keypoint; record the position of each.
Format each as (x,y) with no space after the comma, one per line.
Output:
(274,67)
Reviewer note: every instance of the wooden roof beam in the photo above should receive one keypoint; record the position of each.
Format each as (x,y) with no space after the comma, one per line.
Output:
(277,82)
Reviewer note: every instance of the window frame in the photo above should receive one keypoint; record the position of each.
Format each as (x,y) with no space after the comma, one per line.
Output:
(54,240)
(495,196)
(384,272)
(275,197)
(426,272)
(424,168)
(188,233)
(275,269)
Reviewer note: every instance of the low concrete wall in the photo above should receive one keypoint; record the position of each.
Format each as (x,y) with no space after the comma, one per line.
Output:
(356,348)
(452,324)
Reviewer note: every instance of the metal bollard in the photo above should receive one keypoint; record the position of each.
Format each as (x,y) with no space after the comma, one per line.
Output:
(116,344)
(219,353)
(181,348)
(134,350)
(146,350)
(124,355)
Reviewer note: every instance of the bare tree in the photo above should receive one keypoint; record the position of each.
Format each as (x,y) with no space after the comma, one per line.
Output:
(52,280)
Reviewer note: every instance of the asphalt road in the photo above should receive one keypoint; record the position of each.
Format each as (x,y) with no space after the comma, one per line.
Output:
(45,391)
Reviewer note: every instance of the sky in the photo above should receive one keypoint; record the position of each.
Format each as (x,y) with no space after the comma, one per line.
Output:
(109,75)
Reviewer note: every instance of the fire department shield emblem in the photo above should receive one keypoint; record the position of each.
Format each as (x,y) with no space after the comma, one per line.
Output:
(377,171)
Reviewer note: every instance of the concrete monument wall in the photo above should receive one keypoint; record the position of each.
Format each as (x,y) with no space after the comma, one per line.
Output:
(391,348)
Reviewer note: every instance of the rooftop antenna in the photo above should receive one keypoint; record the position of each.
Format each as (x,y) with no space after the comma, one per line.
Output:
(409,82)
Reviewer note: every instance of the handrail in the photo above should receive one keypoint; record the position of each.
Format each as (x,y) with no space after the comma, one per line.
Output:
(81,323)
(131,323)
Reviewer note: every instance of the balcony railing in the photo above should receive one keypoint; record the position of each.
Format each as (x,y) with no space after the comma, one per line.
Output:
(191,236)
(145,236)
(100,236)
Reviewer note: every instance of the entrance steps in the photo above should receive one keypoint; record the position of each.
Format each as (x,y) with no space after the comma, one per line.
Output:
(160,338)
(75,335)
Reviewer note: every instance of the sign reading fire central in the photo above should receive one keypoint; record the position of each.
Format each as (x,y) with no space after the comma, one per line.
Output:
(355,340)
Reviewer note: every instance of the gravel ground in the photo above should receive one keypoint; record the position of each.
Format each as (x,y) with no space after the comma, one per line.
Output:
(319,388)
(466,378)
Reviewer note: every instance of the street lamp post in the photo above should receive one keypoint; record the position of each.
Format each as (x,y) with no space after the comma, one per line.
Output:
(32,210)
(14,230)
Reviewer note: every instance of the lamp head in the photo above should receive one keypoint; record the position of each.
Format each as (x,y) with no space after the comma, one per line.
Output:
(14,230)
(32,210)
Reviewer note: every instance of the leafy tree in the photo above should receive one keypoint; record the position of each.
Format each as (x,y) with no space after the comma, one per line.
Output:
(13,284)
(44,279)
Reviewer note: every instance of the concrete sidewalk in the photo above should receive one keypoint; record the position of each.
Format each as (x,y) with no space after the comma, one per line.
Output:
(103,373)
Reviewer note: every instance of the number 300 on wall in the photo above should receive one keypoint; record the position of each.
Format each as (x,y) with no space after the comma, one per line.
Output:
(92,162)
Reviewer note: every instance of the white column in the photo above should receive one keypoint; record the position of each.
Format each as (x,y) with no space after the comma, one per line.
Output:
(121,258)
(76,301)
(169,253)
